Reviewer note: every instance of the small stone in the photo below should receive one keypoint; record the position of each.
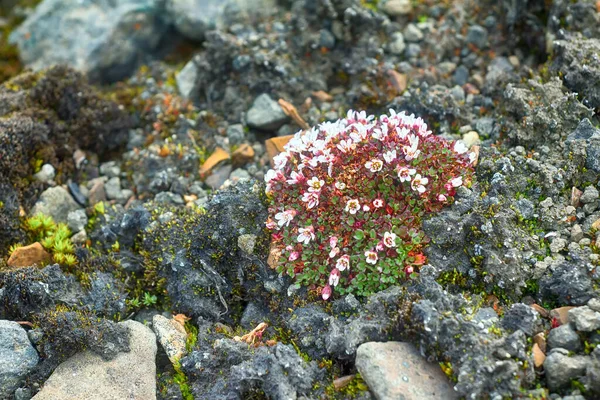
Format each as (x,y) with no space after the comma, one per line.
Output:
(55,202)
(79,238)
(471,138)
(78,195)
(97,193)
(540,340)
(326,39)
(113,189)
(110,169)
(557,244)
(538,356)
(17,357)
(395,370)
(343,381)
(396,44)
(576,233)
(590,194)
(395,8)
(461,75)
(171,335)
(275,145)
(478,36)
(576,197)
(46,174)
(27,256)
(266,114)
(561,314)
(564,337)
(218,176)
(585,319)
(218,156)
(561,369)
(541,310)
(77,220)
(514,61)
(240,175)
(247,242)
(242,155)
(412,33)
(594,304)
(235,134)
(169,198)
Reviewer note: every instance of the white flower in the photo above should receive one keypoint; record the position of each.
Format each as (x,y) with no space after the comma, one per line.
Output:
(405,173)
(374,165)
(377,203)
(306,234)
(411,152)
(343,263)
(472,157)
(418,183)
(402,132)
(346,145)
(270,175)
(315,184)
(366,208)
(280,160)
(334,252)
(285,217)
(334,277)
(389,239)
(389,156)
(456,182)
(340,185)
(311,199)
(295,178)
(460,147)
(352,206)
(371,257)
(441,198)
(380,133)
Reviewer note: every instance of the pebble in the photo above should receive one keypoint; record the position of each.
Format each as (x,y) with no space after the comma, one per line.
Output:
(576,233)
(110,169)
(561,369)
(585,319)
(171,335)
(564,337)
(18,357)
(27,256)
(557,244)
(77,193)
(590,194)
(266,114)
(55,202)
(478,36)
(412,33)
(235,134)
(242,155)
(471,138)
(395,8)
(396,44)
(46,174)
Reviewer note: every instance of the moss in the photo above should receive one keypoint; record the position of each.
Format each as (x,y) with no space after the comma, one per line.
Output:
(181,379)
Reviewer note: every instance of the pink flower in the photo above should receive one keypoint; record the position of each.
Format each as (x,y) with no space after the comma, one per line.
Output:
(456,182)
(418,183)
(333,241)
(441,198)
(389,239)
(371,257)
(315,184)
(411,152)
(326,292)
(280,160)
(343,263)
(334,277)
(294,255)
(352,206)
(366,208)
(389,156)
(285,217)
(375,165)
(334,252)
(311,199)
(377,203)
(295,178)
(271,224)
(405,173)
(379,246)
(409,269)
(306,234)
(346,145)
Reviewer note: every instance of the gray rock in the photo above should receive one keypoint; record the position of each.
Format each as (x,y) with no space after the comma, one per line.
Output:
(77,220)
(86,375)
(576,233)
(104,39)
(46,174)
(461,75)
(193,18)
(247,242)
(585,319)
(55,202)
(169,198)
(110,169)
(218,177)
(396,44)
(590,194)
(564,337)
(113,189)
(569,283)
(254,314)
(397,7)
(187,80)
(561,369)
(171,335)
(17,357)
(266,114)
(326,39)
(594,304)
(396,370)
(478,36)
(526,208)
(235,133)
(522,317)
(240,174)
(412,33)
(558,244)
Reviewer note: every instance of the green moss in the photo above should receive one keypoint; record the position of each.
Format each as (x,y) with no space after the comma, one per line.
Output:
(181,379)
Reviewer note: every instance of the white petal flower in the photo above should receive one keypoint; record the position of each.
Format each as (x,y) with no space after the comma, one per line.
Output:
(389,239)
(352,206)
(460,147)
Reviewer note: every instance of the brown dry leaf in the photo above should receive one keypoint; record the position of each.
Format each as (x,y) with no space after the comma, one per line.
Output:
(254,336)
(323,96)
(218,156)
(181,319)
(291,111)
(342,382)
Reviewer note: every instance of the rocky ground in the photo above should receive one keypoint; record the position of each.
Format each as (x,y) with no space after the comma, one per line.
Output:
(133,250)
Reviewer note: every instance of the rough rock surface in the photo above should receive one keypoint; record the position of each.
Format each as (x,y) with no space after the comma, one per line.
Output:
(17,357)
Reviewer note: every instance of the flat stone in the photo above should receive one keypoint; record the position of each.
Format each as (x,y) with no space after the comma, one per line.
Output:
(561,369)
(97,193)
(242,155)
(564,337)
(396,370)
(218,176)
(397,7)
(275,145)
(561,314)
(86,375)
(471,138)
(584,319)
(55,202)
(17,357)
(26,256)
(171,335)
(538,356)
(218,156)
(266,114)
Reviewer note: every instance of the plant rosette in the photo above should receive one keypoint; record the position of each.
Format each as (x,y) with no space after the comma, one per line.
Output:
(347,200)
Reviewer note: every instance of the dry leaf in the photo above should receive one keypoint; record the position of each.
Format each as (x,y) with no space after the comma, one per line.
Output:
(292,112)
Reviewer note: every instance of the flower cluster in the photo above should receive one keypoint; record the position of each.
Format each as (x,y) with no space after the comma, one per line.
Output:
(348,199)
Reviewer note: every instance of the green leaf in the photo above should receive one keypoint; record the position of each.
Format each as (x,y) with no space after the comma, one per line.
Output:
(359,235)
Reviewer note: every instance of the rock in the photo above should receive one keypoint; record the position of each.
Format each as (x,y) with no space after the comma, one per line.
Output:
(558,244)
(169,198)
(113,189)
(412,33)
(397,7)
(538,356)
(235,134)
(239,174)
(55,202)
(218,177)
(564,337)
(561,314)
(584,319)
(171,335)
(110,169)
(396,44)
(396,370)
(218,156)
(17,357)
(471,138)
(590,194)
(576,233)
(246,243)
(594,304)
(266,114)
(569,283)
(523,317)
(103,39)
(86,375)
(97,193)
(77,220)
(275,145)
(242,155)
(187,80)
(561,369)
(193,18)
(46,174)
(478,36)
(27,256)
